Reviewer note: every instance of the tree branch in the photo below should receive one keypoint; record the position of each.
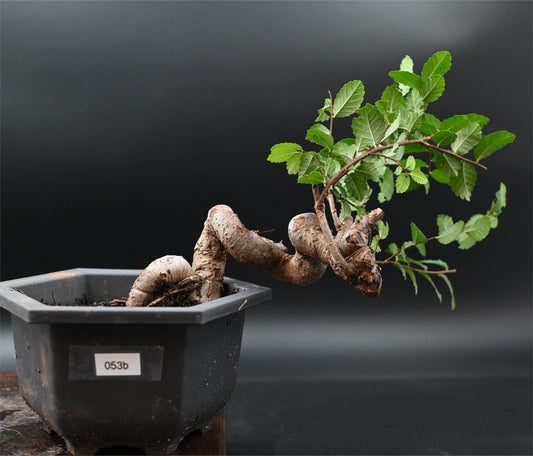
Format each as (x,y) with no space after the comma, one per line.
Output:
(453,154)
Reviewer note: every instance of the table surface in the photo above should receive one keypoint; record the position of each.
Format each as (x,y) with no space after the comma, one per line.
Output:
(22,432)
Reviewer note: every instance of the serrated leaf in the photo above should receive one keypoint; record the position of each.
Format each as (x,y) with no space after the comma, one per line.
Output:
(467,138)
(440,263)
(355,185)
(444,137)
(450,287)
(283,151)
(430,280)
(418,176)
(315,177)
(463,184)
(401,268)
(477,118)
(343,151)
(307,165)
(409,119)
(430,125)
(454,123)
(475,230)
(402,183)
(431,89)
(393,128)
(318,134)
(412,276)
(440,177)
(492,142)
(392,99)
(410,163)
(369,124)
(386,186)
(349,99)
(369,170)
(322,115)
(407,64)
(419,239)
(331,167)
(438,64)
(383,229)
(406,78)
(293,163)
(447,164)
(500,202)
(448,230)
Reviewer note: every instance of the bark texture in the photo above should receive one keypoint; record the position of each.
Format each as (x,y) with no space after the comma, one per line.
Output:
(224,233)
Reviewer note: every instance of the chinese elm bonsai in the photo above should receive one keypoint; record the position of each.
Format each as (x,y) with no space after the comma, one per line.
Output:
(396,147)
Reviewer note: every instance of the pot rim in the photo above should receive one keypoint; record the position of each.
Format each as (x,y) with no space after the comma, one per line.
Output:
(244,296)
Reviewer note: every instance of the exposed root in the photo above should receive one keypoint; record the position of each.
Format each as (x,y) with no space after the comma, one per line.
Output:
(224,234)
(165,270)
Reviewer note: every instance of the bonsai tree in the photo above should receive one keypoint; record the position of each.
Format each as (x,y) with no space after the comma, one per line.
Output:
(396,147)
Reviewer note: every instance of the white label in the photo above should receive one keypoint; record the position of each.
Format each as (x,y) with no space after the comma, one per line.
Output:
(117,364)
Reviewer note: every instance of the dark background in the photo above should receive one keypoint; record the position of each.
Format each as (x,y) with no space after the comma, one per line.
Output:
(122,123)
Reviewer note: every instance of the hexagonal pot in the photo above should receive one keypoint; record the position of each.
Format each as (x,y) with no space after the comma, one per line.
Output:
(116,376)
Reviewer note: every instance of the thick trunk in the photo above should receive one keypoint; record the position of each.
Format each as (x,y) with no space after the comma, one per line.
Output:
(224,234)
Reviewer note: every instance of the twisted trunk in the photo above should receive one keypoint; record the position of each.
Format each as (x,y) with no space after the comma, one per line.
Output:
(224,234)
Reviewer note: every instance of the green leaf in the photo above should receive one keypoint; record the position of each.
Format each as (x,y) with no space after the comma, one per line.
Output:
(444,137)
(331,167)
(318,134)
(454,123)
(410,163)
(475,230)
(440,177)
(500,202)
(293,163)
(412,276)
(407,64)
(418,176)
(430,280)
(450,287)
(467,138)
(419,239)
(477,118)
(447,164)
(315,177)
(349,99)
(386,186)
(463,184)
(392,99)
(431,89)
(356,186)
(369,124)
(343,151)
(402,183)
(448,230)
(283,151)
(383,229)
(322,115)
(438,64)
(430,125)
(489,144)
(406,78)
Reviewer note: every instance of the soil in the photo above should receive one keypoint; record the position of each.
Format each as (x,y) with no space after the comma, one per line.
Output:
(165,296)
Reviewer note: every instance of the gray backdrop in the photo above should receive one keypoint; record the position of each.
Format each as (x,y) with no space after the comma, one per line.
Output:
(124,122)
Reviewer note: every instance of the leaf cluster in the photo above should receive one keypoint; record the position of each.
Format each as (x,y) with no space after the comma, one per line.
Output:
(396,147)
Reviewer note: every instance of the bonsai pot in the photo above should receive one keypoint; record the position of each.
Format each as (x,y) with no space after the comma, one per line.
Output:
(122,376)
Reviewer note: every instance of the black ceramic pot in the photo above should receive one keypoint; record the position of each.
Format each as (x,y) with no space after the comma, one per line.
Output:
(116,376)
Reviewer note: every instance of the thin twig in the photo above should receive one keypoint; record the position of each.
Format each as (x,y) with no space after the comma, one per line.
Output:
(426,271)
(346,168)
(333,209)
(453,154)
